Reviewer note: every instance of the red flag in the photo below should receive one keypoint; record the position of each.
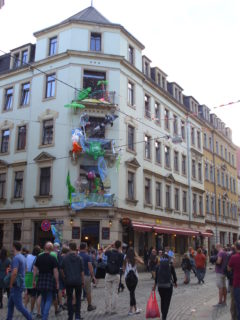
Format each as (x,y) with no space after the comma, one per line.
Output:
(1,3)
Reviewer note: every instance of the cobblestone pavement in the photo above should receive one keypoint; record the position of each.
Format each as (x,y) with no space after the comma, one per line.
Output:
(191,302)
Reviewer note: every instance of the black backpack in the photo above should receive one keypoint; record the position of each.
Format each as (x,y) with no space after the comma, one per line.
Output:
(164,274)
(113,262)
(73,267)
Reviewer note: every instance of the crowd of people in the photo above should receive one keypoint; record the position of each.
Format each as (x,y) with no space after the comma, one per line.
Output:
(63,277)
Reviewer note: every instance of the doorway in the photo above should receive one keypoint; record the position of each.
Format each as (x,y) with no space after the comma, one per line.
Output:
(40,236)
(90,233)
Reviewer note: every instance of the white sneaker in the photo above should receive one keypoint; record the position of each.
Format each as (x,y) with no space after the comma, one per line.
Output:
(138,311)
(130,313)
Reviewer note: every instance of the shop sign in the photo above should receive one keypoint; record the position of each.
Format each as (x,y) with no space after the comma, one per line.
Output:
(158,221)
(81,200)
(126,221)
(46,225)
(57,222)
(105,233)
(76,233)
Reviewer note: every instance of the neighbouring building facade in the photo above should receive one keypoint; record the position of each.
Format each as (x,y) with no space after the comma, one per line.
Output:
(121,160)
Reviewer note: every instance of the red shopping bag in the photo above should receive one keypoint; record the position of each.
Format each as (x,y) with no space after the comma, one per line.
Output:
(152,310)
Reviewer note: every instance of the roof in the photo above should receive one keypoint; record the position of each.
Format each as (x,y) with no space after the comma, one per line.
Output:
(90,15)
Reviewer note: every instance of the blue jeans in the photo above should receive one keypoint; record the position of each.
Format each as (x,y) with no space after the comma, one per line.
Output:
(15,299)
(200,274)
(46,302)
(237,300)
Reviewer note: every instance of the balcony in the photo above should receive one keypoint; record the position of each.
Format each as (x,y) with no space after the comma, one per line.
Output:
(82,201)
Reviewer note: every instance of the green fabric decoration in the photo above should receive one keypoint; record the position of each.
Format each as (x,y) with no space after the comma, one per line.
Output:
(84,94)
(71,189)
(74,105)
(95,150)
(102,83)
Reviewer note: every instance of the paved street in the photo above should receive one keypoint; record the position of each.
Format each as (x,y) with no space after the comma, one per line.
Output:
(188,302)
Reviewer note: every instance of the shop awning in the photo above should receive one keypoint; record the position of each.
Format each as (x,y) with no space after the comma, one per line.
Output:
(171,230)
(207,234)
(141,227)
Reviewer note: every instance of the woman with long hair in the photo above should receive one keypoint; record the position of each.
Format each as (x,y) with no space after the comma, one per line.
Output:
(4,265)
(131,277)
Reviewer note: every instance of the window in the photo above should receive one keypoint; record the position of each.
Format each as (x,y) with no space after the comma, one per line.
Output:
(24,57)
(183,164)
(176,199)
(5,140)
(167,156)
(50,86)
(228,209)
(166,118)
(194,169)
(130,93)
(8,99)
(211,173)
(194,203)
(207,203)
(21,138)
(45,178)
(227,182)
(218,177)
(210,143)
(159,79)
(131,138)
(199,171)
(158,194)
(2,185)
(229,157)
(206,171)
(147,106)
(176,165)
(234,186)
(193,136)
(233,159)
(18,185)
(157,112)
(213,204)
(219,206)
(131,192)
(226,154)
(217,148)
(47,132)
(131,54)
(205,140)
(199,139)
(147,140)
(175,125)
(224,208)
(158,152)
(200,202)
(184,201)
(183,131)
(223,180)
(25,94)
(147,191)
(221,148)
(17,231)
(52,46)
(91,79)
(168,197)
(146,68)
(16,62)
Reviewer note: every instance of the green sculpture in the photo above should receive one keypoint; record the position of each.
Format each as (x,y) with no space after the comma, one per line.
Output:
(83,94)
(95,150)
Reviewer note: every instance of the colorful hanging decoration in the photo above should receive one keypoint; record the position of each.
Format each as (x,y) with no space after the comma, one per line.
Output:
(57,234)
(78,141)
(84,119)
(103,85)
(76,147)
(108,119)
(95,150)
(102,168)
(83,94)
(98,185)
(118,162)
(71,189)
(74,105)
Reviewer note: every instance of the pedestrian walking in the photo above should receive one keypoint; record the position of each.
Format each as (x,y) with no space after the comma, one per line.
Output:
(200,263)
(73,276)
(234,265)
(186,267)
(48,278)
(88,274)
(114,263)
(4,265)
(191,255)
(17,285)
(164,280)
(153,261)
(221,263)
(131,277)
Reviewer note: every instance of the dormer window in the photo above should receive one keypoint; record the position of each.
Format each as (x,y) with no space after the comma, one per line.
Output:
(52,46)
(146,68)
(24,57)
(95,43)
(131,54)
(163,83)
(16,62)
(159,79)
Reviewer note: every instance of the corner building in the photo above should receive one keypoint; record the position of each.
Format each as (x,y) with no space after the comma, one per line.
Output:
(152,190)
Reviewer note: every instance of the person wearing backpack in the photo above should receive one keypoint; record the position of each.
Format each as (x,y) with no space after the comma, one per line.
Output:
(165,279)
(73,277)
(114,263)
(131,277)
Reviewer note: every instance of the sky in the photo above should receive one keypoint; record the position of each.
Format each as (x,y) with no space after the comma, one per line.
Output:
(195,42)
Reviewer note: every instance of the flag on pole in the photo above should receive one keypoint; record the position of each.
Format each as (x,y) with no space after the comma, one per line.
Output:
(71,189)
(1,3)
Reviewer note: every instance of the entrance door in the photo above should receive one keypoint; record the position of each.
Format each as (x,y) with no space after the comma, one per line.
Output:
(40,236)
(90,233)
